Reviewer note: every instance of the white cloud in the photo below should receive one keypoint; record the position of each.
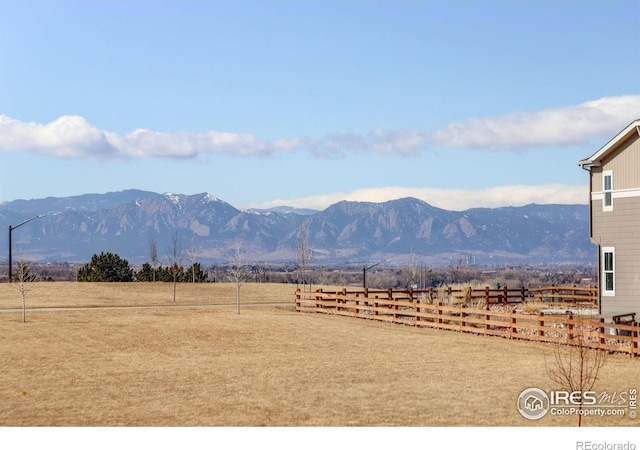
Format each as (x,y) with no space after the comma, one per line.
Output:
(75,137)
(450,199)
(569,125)
(337,144)
(403,142)
(65,137)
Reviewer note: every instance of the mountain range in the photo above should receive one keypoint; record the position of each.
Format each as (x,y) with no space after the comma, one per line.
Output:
(72,229)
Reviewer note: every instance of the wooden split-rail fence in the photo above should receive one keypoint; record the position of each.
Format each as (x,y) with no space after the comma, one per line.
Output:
(476,314)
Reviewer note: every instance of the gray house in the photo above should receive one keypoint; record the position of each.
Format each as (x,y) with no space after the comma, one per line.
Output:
(614,186)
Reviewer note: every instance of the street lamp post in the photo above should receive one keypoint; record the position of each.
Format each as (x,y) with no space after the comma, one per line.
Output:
(11,228)
(364,273)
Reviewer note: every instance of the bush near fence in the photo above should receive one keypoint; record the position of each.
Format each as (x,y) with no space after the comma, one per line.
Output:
(421,308)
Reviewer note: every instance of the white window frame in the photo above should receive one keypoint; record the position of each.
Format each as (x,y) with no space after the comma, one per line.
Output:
(607,194)
(608,271)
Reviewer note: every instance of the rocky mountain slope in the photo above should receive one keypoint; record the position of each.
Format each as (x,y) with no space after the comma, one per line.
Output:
(74,228)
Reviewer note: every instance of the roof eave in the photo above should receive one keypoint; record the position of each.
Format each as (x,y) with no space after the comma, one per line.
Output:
(587,164)
(594,160)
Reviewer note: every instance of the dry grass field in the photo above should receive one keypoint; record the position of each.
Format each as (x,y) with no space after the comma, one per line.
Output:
(268,366)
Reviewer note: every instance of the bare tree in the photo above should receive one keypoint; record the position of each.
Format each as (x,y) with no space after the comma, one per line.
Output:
(23,277)
(192,254)
(576,365)
(304,253)
(153,253)
(174,262)
(411,271)
(320,276)
(237,272)
(456,268)
(262,273)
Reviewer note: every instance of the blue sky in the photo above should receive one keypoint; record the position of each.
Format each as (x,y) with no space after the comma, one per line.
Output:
(459,103)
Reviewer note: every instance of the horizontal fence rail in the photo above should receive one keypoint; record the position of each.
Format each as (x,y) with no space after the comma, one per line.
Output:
(578,295)
(565,294)
(422,309)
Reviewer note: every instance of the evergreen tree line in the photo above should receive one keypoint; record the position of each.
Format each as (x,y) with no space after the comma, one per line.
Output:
(191,274)
(109,267)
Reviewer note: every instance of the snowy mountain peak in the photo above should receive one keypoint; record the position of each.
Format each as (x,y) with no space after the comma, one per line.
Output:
(211,198)
(176,199)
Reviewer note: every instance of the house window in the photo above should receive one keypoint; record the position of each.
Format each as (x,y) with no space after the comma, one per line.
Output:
(607,189)
(608,271)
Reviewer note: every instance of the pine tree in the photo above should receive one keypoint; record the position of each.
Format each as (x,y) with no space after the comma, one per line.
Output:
(106,267)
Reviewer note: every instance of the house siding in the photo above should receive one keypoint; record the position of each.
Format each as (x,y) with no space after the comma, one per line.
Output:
(624,162)
(620,229)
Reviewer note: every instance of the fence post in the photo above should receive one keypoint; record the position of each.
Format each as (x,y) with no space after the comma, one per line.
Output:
(317,298)
(512,319)
(375,306)
(601,334)
(463,314)
(487,317)
(394,305)
(417,313)
(297,299)
(570,329)
(522,294)
(439,311)
(540,325)
(357,304)
(366,296)
(634,339)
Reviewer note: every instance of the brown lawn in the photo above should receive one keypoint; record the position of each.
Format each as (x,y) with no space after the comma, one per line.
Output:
(208,366)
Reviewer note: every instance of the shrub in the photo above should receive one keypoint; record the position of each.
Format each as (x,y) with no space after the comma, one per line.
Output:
(533,306)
